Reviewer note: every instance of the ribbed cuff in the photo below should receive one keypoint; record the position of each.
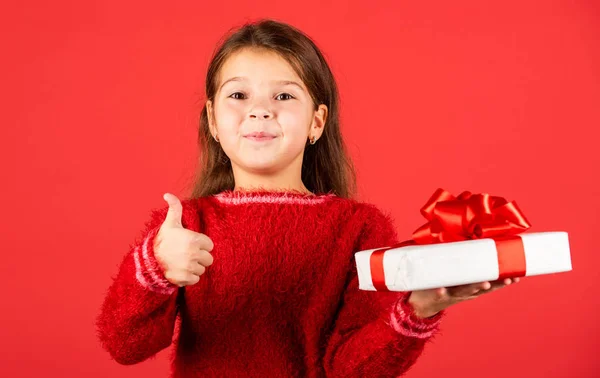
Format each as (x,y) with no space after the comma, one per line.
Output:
(405,321)
(147,269)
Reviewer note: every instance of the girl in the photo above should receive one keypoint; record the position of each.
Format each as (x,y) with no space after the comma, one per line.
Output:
(254,276)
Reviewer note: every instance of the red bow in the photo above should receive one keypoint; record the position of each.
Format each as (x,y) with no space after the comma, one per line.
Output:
(468,216)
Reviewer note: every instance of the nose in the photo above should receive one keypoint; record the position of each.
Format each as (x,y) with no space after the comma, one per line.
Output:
(260,112)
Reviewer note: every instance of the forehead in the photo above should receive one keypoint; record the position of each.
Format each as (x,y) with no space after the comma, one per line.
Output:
(255,64)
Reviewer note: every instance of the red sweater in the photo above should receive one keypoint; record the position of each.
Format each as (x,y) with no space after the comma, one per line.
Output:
(280,300)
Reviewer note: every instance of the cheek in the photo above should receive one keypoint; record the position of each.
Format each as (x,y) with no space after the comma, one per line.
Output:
(294,122)
(228,116)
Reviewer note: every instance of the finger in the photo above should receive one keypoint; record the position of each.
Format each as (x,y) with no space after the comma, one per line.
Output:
(175,212)
(481,287)
(203,242)
(497,285)
(196,268)
(469,289)
(203,258)
(180,279)
(191,279)
(502,282)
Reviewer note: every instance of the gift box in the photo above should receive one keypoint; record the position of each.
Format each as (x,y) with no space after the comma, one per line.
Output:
(467,239)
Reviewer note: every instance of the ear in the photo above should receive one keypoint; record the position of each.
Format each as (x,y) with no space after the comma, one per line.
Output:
(318,124)
(211,118)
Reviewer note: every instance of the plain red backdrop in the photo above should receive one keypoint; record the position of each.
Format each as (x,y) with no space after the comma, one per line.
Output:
(101,109)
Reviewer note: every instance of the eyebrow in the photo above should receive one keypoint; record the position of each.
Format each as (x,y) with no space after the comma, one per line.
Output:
(280,82)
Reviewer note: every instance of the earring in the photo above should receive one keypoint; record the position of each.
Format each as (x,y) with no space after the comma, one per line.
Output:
(313,140)
(217,137)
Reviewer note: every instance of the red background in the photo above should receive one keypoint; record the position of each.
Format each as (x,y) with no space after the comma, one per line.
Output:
(101,102)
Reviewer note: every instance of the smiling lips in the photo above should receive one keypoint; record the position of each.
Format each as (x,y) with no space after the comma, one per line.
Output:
(260,136)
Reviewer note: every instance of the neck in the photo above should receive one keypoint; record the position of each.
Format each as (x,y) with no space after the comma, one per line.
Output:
(285,180)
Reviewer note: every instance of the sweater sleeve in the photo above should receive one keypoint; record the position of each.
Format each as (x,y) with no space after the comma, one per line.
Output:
(376,334)
(138,315)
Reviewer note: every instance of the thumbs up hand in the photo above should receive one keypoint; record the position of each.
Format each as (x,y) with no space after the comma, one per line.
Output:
(183,254)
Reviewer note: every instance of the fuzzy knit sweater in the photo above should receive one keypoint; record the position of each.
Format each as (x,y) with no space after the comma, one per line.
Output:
(281,298)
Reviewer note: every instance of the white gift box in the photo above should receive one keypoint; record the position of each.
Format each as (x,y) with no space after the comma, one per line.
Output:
(418,267)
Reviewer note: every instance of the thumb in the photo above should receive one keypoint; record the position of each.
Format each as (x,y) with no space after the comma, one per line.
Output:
(175,212)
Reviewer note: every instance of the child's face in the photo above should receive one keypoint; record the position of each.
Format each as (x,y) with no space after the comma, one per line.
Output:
(261,118)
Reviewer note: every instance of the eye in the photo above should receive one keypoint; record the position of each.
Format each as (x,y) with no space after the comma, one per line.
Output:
(234,95)
(285,94)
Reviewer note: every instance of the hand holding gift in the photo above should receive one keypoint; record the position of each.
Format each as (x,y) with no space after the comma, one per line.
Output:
(427,303)
(470,245)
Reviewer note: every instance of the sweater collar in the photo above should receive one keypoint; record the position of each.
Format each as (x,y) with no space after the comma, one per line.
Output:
(240,197)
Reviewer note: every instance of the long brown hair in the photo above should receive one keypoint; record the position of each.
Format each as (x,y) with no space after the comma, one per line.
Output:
(326,166)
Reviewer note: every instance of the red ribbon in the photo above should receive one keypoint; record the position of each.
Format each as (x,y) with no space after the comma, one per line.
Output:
(468,216)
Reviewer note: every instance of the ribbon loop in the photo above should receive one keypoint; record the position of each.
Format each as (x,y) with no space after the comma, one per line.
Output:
(468,216)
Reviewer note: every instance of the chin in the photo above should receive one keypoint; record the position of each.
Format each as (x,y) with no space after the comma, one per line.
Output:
(263,167)
(259,164)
